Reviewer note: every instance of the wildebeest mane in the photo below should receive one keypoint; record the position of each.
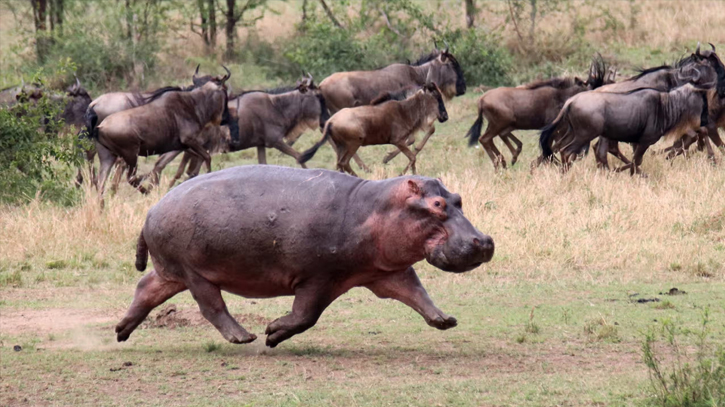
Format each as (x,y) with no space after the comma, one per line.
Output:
(159,92)
(273,91)
(557,83)
(642,71)
(381,98)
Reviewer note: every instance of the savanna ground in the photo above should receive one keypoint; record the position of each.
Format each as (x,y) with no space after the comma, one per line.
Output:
(553,319)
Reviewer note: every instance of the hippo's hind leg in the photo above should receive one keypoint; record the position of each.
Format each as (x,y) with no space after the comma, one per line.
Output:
(212,306)
(306,310)
(406,288)
(152,291)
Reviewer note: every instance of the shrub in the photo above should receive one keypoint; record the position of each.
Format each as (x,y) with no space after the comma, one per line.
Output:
(484,61)
(691,381)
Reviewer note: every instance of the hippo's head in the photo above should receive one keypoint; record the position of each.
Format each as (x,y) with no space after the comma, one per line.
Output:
(451,242)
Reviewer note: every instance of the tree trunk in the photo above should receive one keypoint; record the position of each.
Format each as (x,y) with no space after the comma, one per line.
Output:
(304,12)
(470,13)
(40,9)
(212,24)
(329,14)
(532,29)
(204,22)
(129,20)
(230,29)
(56,17)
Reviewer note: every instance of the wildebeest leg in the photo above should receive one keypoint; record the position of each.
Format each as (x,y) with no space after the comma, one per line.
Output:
(283,147)
(213,308)
(161,163)
(343,163)
(411,156)
(308,305)
(116,181)
(106,159)
(487,143)
(712,132)
(394,153)
(615,151)
(702,135)
(182,166)
(420,146)
(601,149)
(406,288)
(262,154)
(507,138)
(152,291)
(360,163)
(131,177)
(199,150)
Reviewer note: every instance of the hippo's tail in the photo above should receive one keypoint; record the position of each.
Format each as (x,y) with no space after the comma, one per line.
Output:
(474,133)
(142,253)
(308,154)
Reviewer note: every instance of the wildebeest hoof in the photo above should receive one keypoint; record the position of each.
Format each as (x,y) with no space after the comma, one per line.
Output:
(443,322)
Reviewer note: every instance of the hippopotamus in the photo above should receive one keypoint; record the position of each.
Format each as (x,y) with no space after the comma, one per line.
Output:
(265,231)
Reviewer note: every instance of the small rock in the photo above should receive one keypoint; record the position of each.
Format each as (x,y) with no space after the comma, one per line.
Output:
(115,369)
(127,364)
(674,291)
(643,300)
(224,364)
(17,348)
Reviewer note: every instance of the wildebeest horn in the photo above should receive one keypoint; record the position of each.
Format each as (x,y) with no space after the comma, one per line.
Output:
(78,82)
(435,44)
(697,51)
(713,47)
(227,76)
(696,77)
(448,47)
(196,72)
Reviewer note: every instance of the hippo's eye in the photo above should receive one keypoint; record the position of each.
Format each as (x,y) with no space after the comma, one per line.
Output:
(437,203)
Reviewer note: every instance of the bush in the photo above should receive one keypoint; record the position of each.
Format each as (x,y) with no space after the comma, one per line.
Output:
(33,159)
(484,61)
(697,381)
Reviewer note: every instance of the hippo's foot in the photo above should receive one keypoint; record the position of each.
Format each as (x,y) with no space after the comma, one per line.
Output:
(122,334)
(442,322)
(244,337)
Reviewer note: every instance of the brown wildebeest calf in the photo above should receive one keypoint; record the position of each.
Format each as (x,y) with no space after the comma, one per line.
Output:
(391,122)
(172,122)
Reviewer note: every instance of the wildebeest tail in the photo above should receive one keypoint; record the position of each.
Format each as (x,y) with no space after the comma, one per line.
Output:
(474,133)
(545,139)
(91,122)
(308,154)
(324,111)
(142,253)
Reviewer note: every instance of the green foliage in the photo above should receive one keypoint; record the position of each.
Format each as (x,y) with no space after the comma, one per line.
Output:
(484,60)
(692,381)
(34,159)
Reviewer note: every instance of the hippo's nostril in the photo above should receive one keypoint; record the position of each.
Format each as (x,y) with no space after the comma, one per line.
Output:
(476,242)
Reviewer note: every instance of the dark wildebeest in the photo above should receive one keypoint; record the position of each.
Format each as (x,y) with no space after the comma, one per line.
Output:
(641,116)
(266,118)
(526,107)
(358,88)
(113,102)
(315,234)
(392,122)
(173,121)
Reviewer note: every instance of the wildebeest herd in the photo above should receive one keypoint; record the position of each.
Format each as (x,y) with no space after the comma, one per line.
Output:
(315,234)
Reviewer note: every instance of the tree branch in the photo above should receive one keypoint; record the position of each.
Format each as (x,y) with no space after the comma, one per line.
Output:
(330,15)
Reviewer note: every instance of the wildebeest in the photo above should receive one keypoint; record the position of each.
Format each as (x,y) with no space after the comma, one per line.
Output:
(358,88)
(266,118)
(173,121)
(640,116)
(276,231)
(113,102)
(526,107)
(392,122)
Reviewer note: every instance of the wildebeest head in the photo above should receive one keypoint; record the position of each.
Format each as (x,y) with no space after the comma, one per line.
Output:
(454,244)
(201,80)
(445,71)
(699,73)
(29,93)
(714,60)
(311,93)
(432,89)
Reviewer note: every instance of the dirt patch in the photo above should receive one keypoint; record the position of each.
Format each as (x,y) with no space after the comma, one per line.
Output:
(53,320)
(171,317)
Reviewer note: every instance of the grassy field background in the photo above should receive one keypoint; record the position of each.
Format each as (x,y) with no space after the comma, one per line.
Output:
(554,319)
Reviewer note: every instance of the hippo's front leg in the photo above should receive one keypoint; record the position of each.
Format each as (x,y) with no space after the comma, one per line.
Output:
(406,288)
(307,307)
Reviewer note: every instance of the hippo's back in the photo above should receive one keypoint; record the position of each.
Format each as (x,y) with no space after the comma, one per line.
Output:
(257,216)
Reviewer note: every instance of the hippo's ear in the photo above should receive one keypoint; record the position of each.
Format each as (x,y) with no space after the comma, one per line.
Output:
(413,187)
